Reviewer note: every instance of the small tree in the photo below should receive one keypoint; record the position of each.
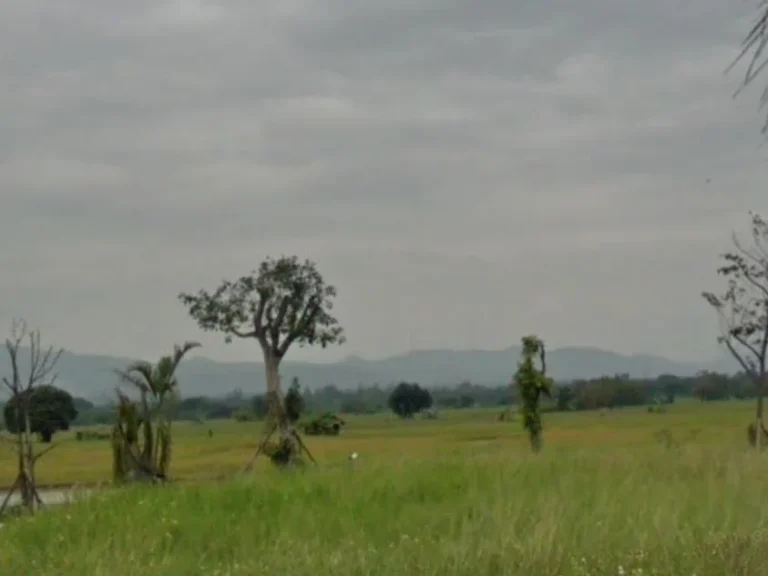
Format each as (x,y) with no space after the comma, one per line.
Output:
(259,406)
(50,410)
(141,437)
(284,302)
(21,387)
(533,382)
(670,392)
(565,397)
(294,402)
(742,309)
(466,401)
(408,399)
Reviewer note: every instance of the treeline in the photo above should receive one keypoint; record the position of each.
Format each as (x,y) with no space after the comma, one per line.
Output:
(621,390)
(597,393)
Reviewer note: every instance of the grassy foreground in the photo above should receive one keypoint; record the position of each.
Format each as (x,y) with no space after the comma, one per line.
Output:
(653,510)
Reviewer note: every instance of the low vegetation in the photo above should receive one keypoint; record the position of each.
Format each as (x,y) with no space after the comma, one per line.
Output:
(324,425)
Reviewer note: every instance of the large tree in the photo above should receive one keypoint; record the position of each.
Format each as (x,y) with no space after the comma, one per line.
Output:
(284,302)
(742,310)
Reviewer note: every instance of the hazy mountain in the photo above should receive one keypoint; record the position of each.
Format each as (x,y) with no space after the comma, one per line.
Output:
(92,376)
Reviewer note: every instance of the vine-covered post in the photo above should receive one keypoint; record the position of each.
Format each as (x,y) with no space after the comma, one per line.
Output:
(532,382)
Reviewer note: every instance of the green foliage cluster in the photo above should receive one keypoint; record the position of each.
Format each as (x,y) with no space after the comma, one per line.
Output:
(141,437)
(243,415)
(87,435)
(294,402)
(327,424)
(408,399)
(284,301)
(141,447)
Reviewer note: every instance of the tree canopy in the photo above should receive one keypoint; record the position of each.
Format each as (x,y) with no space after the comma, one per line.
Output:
(284,302)
(156,382)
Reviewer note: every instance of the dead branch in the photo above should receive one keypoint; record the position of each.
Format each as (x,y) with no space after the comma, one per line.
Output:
(40,373)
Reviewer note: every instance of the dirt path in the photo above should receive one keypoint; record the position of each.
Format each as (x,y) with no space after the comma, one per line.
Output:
(49,496)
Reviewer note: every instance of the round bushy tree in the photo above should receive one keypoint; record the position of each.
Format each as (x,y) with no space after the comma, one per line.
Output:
(50,409)
(408,399)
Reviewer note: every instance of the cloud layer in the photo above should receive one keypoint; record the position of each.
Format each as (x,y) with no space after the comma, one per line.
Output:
(464,172)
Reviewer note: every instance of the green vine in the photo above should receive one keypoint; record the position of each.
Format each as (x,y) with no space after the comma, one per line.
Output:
(532,382)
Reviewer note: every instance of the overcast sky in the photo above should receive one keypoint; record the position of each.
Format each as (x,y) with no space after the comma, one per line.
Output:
(464,171)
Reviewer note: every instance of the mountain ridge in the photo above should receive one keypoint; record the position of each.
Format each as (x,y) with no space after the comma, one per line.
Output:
(92,375)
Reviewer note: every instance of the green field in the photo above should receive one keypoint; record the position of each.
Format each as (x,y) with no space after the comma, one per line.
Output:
(620,492)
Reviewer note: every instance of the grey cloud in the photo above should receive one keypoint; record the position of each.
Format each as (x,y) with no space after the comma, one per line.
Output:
(528,166)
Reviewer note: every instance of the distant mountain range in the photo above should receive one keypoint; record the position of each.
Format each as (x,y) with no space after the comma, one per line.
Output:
(92,377)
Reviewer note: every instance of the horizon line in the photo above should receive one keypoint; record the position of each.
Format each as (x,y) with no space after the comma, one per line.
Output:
(358,357)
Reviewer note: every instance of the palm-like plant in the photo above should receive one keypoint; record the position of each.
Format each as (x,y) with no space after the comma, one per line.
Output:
(141,438)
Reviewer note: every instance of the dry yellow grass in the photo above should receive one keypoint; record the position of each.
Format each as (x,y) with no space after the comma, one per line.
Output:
(198,458)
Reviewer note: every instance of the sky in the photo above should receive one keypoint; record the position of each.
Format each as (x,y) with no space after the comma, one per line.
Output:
(465,172)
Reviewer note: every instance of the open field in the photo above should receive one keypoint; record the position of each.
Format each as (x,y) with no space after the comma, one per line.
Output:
(382,437)
(626,492)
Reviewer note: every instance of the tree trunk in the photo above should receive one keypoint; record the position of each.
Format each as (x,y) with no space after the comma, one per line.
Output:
(759,417)
(275,403)
(22,467)
(29,493)
(289,451)
(24,449)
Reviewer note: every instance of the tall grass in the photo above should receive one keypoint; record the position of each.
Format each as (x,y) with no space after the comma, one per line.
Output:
(652,511)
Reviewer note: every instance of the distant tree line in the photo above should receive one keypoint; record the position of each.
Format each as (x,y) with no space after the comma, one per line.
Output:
(621,390)
(586,394)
